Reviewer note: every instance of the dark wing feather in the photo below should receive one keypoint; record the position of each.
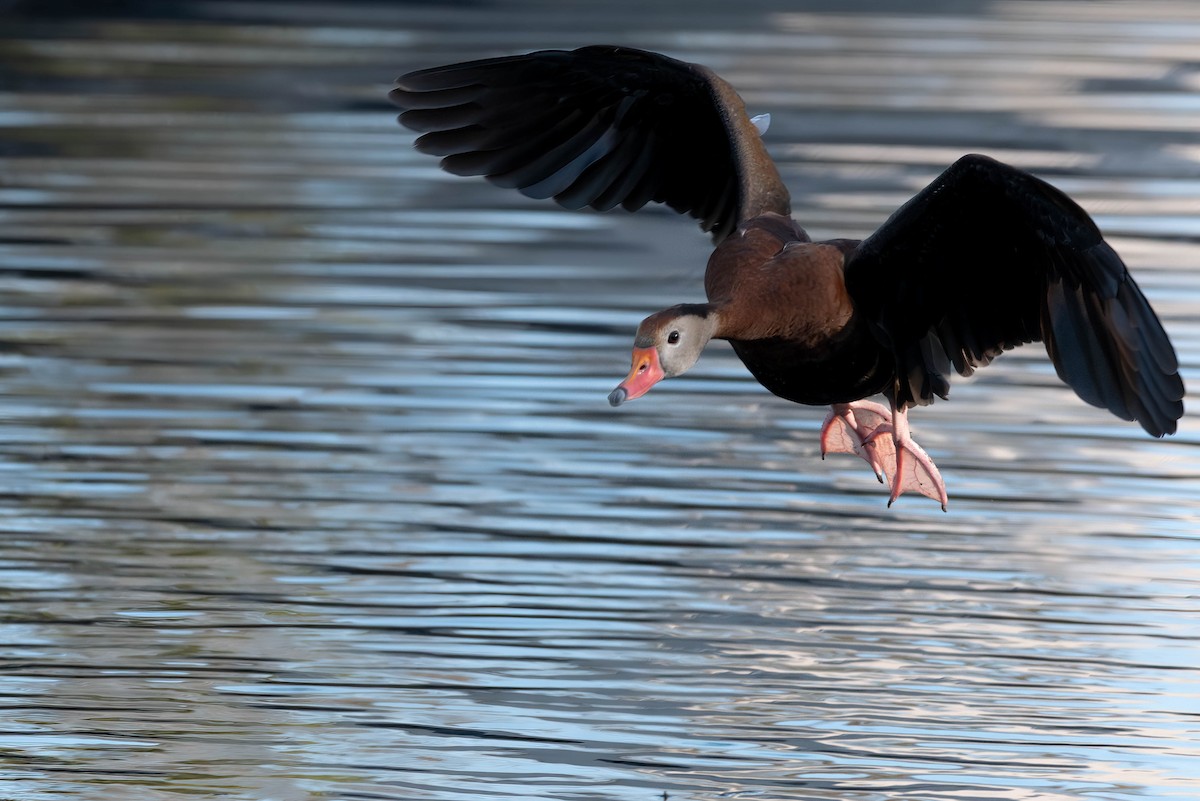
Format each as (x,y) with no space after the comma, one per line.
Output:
(599,126)
(988,257)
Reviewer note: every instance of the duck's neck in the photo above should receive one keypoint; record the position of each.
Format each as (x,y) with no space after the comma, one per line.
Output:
(712,316)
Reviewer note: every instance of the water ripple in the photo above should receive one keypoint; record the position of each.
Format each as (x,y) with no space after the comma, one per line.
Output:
(310,488)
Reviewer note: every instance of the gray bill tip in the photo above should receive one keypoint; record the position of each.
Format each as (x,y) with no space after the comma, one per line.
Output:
(617,396)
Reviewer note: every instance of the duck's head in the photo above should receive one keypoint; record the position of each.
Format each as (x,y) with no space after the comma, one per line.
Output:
(668,343)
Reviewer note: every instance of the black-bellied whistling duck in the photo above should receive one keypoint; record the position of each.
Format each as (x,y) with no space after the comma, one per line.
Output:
(985,258)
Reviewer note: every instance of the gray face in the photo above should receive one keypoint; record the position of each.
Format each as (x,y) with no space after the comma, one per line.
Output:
(678,338)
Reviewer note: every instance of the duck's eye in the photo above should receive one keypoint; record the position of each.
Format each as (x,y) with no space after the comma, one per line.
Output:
(673,338)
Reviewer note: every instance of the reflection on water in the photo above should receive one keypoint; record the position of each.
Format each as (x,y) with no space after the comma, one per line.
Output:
(311,489)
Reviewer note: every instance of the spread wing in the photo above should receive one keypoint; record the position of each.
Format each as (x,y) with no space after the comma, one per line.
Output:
(988,257)
(599,126)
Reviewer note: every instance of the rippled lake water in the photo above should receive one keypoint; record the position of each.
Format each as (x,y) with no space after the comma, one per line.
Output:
(310,488)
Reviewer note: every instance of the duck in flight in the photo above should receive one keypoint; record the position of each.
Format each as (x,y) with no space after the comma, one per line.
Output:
(985,258)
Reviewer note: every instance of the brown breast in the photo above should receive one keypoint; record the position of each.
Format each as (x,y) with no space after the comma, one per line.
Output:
(784,308)
(771,281)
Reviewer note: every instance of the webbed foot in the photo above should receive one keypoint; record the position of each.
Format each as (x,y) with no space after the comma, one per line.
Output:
(851,428)
(881,438)
(914,469)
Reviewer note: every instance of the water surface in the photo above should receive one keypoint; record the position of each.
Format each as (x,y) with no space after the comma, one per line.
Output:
(310,488)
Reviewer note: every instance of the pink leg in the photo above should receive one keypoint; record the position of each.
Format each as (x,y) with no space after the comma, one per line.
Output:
(851,428)
(914,471)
